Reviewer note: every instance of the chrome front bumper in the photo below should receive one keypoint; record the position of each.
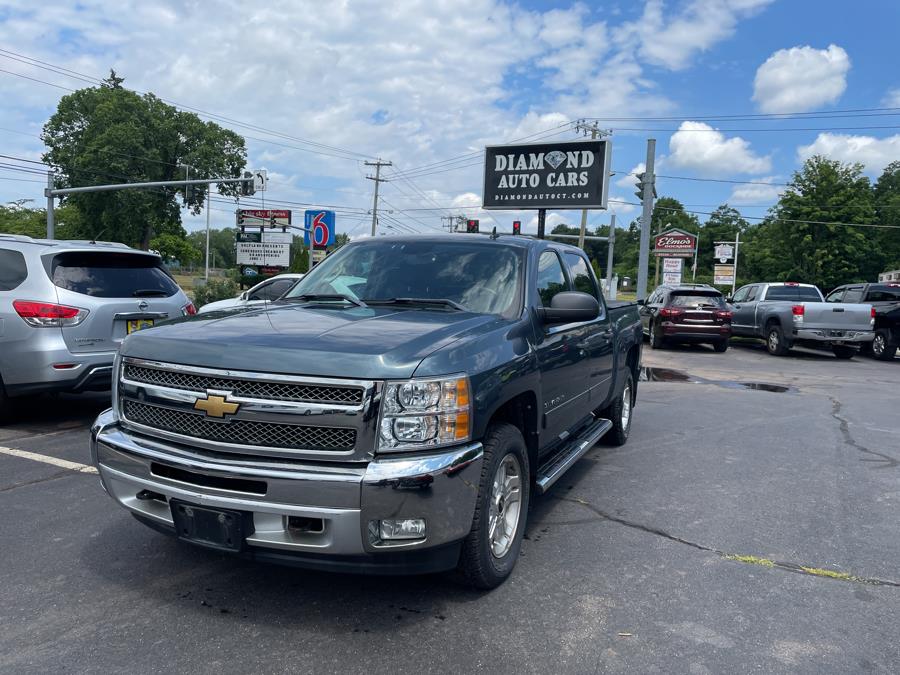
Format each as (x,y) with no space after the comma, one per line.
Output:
(439,488)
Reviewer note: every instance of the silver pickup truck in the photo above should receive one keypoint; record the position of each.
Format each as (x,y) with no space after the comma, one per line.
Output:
(789,314)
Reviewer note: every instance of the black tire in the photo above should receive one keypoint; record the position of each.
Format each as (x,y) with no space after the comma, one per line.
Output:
(881,347)
(775,342)
(478,565)
(843,352)
(615,413)
(721,346)
(657,341)
(5,406)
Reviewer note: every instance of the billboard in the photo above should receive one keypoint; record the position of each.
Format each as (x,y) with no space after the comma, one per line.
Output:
(672,271)
(264,217)
(558,175)
(723,275)
(270,254)
(675,243)
(320,227)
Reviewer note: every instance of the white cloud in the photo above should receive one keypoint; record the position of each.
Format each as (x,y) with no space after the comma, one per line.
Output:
(702,148)
(756,193)
(628,179)
(891,99)
(801,79)
(672,42)
(873,153)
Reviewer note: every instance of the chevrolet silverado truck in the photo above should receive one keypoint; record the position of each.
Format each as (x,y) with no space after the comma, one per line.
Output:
(393,413)
(789,314)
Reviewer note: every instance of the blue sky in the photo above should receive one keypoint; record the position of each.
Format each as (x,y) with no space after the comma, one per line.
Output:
(420,82)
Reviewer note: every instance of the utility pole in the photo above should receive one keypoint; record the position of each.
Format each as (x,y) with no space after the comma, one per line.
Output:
(646,183)
(208,193)
(737,248)
(378,179)
(596,132)
(610,292)
(51,222)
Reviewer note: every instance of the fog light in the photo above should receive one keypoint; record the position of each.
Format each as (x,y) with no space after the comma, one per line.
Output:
(410,528)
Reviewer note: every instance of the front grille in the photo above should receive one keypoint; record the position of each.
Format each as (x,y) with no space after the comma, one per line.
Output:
(276,391)
(241,432)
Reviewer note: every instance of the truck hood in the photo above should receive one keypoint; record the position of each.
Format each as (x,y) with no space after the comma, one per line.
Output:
(353,342)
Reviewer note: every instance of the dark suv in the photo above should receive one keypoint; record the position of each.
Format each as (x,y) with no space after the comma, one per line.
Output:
(686,313)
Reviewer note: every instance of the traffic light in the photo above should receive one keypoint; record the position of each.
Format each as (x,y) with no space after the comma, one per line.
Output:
(247,188)
(517,227)
(640,185)
(472,226)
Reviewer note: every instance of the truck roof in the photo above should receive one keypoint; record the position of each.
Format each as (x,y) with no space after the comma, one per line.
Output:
(517,240)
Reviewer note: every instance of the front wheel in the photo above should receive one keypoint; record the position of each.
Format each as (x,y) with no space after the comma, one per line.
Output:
(721,346)
(656,338)
(619,413)
(492,547)
(843,352)
(882,349)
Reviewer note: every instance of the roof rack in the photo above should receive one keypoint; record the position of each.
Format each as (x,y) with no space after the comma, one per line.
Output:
(16,237)
(91,242)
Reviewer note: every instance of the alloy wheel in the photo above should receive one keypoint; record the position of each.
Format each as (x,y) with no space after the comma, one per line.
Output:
(505,506)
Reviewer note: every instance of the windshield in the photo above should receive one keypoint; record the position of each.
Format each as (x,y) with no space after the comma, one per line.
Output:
(801,293)
(481,278)
(694,299)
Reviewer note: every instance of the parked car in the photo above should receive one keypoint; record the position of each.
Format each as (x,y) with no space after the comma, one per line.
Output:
(788,314)
(686,313)
(66,306)
(398,425)
(885,298)
(265,291)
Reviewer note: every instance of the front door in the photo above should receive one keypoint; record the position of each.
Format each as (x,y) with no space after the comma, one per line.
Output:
(564,377)
(744,309)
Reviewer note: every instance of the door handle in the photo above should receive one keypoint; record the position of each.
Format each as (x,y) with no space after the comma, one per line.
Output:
(607,334)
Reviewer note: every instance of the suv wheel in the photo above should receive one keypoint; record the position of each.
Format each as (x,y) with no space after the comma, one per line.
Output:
(882,349)
(656,339)
(843,352)
(775,341)
(619,413)
(5,405)
(490,551)
(721,346)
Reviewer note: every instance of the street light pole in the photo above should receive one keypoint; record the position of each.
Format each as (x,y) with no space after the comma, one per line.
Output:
(208,195)
(51,220)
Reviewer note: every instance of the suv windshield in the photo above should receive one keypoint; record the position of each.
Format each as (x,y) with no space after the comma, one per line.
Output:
(695,299)
(481,278)
(802,293)
(112,275)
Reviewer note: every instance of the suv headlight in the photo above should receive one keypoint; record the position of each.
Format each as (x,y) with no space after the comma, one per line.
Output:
(425,413)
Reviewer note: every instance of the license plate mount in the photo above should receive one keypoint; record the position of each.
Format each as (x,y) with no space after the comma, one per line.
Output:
(133,325)
(219,529)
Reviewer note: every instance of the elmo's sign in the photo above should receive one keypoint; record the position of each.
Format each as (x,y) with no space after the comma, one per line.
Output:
(675,244)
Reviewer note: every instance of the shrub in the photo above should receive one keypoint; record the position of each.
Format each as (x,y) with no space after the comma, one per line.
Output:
(215,289)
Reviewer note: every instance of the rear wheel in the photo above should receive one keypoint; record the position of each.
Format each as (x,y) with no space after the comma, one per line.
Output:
(843,352)
(721,346)
(775,342)
(882,349)
(492,547)
(619,413)
(5,405)
(656,338)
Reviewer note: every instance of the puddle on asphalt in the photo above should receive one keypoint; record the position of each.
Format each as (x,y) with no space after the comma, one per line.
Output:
(651,374)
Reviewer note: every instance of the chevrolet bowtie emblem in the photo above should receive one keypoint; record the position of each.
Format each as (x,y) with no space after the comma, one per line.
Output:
(216,406)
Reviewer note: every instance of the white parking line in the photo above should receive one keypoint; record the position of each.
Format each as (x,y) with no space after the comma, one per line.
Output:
(55,461)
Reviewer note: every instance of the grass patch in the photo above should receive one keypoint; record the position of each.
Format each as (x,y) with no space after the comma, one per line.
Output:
(750,560)
(831,574)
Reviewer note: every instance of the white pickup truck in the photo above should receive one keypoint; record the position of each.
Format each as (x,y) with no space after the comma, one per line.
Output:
(788,314)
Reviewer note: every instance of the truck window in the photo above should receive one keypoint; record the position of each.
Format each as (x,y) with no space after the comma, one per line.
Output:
(581,276)
(853,295)
(550,277)
(742,294)
(794,293)
(883,294)
(751,293)
(836,296)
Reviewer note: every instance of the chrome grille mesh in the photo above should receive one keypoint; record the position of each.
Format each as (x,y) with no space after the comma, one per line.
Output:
(241,432)
(276,391)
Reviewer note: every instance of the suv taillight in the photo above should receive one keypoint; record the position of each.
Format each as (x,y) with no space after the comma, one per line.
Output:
(724,314)
(189,309)
(48,315)
(670,312)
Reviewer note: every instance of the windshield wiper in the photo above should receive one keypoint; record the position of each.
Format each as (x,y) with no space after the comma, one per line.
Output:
(440,302)
(314,297)
(149,293)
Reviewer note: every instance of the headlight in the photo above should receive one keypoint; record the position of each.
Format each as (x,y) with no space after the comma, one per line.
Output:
(425,413)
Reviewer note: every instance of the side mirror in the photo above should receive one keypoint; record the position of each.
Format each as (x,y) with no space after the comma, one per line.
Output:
(641,302)
(729,299)
(569,307)
(244,295)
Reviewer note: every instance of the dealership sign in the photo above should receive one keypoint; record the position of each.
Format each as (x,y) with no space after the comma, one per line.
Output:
(675,243)
(570,175)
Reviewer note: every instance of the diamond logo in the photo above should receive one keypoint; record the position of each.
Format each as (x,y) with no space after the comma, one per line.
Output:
(555,158)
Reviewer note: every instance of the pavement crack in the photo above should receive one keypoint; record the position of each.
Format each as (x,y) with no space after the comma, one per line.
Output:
(797,568)
(885,461)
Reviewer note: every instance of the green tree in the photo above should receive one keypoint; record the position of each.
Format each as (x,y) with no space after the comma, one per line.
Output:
(786,248)
(109,134)
(172,247)
(722,225)
(221,246)
(887,210)
(16,219)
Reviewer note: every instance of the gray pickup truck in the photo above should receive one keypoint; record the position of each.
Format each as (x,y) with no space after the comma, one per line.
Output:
(392,413)
(788,314)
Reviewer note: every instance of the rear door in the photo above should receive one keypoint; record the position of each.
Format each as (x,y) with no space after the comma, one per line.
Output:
(123,291)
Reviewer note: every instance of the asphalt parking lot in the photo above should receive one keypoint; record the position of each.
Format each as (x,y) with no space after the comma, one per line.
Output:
(743,528)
